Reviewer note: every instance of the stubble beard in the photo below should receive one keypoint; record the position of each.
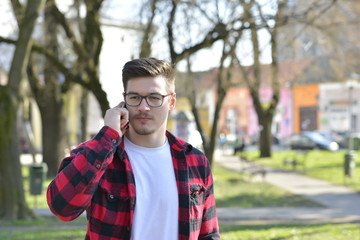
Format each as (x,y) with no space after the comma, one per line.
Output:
(143,129)
(144,132)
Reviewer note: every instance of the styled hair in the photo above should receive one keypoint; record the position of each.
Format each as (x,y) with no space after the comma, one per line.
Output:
(149,67)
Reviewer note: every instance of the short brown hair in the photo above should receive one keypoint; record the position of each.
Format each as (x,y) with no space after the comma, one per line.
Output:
(149,67)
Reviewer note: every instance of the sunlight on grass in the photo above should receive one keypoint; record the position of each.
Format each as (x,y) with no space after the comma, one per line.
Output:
(325,165)
(291,231)
(43,234)
(64,231)
(237,190)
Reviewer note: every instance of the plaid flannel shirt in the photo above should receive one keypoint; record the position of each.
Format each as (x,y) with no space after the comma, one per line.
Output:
(97,177)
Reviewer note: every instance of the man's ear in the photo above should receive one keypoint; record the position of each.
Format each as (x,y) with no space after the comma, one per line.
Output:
(172,102)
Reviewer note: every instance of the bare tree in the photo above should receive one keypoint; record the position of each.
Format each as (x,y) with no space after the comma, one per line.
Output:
(12,200)
(145,50)
(327,36)
(181,22)
(265,114)
(257,19)
(84,43)
(216,32)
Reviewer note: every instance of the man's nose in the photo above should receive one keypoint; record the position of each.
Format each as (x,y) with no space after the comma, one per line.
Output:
(144,105)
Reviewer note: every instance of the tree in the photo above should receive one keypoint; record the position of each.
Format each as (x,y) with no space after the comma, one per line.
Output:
(49,96)
(12,200)
(217,32)
(201,23)
(182,48)
(265,113)
(257,19)
(328,37)
(84,43)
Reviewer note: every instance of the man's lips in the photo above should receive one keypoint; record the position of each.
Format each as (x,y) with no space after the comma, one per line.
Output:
(143,118)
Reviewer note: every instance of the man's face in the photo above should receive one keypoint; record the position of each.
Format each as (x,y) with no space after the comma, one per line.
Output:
(146,120)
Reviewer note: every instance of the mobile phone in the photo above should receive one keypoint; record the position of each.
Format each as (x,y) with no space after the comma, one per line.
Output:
(124,105)
(126,126)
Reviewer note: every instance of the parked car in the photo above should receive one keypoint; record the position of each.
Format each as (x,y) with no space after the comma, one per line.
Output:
(338,137)
(312,140)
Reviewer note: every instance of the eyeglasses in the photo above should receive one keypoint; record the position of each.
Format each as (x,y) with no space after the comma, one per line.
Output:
(153,100)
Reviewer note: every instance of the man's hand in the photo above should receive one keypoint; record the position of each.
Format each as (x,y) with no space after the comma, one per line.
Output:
(117,118)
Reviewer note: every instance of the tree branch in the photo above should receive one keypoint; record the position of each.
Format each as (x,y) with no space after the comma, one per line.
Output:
(68,30)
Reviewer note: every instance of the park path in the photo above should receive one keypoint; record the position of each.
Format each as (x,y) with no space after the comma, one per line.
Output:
(341,204)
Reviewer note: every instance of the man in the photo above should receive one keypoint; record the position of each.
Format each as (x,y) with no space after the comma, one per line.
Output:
(134,178)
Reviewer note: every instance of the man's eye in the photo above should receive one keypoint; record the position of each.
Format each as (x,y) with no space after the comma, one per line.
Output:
(155,98)
(133,97)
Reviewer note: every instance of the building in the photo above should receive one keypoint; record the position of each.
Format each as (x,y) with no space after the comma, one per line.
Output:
(339,107)
(305,107)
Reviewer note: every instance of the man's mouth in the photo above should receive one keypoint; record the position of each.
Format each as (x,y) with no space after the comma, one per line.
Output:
(143,118)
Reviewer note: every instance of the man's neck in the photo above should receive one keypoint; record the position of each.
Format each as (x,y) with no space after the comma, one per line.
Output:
(149,141)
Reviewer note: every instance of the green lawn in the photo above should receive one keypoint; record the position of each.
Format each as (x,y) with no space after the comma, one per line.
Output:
(325,165)
(54,229)
(231,190)
(236,190)
(292,232)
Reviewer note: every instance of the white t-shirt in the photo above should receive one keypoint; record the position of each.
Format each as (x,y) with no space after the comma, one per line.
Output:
(157,204)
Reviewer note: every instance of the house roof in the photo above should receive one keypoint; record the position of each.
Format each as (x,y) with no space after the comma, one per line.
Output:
(288,71)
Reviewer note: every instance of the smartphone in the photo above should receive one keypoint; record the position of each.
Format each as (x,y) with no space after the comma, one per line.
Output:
(124,105)
(126,126)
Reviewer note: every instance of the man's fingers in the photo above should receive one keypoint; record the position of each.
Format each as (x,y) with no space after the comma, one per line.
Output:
(117,117)
(120,105)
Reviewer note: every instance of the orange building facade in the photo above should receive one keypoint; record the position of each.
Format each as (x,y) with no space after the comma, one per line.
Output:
(234,116)
(305,105)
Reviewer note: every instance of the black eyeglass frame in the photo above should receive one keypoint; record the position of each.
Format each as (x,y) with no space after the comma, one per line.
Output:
(145,97)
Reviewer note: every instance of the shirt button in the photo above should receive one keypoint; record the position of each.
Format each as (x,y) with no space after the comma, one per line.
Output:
(113,141)
(128,228)
(111,196)
(98,166)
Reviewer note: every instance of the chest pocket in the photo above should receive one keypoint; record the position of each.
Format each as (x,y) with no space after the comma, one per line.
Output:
(197,200)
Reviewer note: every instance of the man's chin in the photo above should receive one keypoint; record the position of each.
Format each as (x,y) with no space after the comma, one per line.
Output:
(143,131)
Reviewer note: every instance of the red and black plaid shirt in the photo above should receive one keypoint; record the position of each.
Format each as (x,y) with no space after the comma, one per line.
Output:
(97,177)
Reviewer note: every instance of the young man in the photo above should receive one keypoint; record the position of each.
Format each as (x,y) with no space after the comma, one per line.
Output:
(134,178)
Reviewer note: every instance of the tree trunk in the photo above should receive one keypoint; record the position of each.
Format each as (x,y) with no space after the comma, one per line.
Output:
(53,134)
(51,106)
(12,200)
(84,110)
(11,187)
(214,129)
(265,140)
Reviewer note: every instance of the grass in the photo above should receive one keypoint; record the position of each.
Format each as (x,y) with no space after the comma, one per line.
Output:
(235,190)
(325,165)
(231,189)
(42,234)
(43,228)
(291,232)
(51,228)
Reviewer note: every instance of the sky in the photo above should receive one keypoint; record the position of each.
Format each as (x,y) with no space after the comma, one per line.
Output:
(204,59)
(128,10)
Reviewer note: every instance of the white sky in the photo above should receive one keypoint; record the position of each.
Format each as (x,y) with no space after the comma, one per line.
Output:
(127,10)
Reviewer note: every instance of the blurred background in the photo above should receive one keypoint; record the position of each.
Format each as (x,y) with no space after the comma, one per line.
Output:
(262,75)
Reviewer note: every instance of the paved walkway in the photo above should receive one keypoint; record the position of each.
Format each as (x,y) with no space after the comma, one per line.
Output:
(340,203)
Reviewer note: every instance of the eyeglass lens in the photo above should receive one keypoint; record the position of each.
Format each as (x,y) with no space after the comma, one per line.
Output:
(154,100)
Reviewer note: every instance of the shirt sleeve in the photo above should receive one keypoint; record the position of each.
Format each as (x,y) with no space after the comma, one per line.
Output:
(70,193)
(209,227)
